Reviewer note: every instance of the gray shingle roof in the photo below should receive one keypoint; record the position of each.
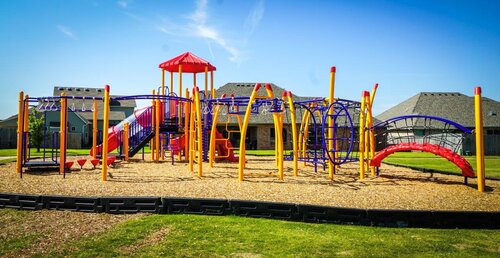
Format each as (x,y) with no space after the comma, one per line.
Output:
(88,103)
(453,106)
(113,115)
(88,92)
(245,89)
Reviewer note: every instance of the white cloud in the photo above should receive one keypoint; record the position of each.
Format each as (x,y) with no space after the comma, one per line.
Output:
(124,3)
(67,31)
(199,23)
(200,14)
(254,17)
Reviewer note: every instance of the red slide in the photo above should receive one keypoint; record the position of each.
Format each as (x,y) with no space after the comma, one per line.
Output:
(223,147)
(114,139)
(446,153)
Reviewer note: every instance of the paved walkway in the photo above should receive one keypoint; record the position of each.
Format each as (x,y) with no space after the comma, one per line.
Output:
(7,157)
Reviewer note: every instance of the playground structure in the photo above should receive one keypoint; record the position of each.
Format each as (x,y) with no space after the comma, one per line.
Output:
(185,125)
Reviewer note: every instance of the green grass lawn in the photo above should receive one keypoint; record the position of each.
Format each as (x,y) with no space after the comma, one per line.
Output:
(213,236)
(70,152)
(262,152)
(435,162)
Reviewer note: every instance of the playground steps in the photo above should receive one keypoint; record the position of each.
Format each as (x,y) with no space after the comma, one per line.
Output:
(134,149)
(170,125)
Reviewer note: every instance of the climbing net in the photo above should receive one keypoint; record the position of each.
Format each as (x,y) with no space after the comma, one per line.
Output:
(420,129)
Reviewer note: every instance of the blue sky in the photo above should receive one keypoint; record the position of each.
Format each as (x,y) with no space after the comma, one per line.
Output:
(405,46)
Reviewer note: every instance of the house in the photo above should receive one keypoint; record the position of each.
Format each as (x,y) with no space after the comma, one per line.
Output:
(456,107)
(79,123)
(260,132)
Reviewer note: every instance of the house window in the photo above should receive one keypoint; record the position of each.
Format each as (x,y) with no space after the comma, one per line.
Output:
(73,129)
(272,135)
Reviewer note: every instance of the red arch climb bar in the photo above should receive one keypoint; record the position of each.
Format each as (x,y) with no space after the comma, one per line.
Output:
(446,153)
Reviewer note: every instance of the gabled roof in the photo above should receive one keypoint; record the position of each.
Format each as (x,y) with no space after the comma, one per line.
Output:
(246,89)
(113,115)
(88,92)
(11,121)
(88,103)
(453,106)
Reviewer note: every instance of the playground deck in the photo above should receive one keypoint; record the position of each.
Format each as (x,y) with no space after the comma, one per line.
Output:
(395,188)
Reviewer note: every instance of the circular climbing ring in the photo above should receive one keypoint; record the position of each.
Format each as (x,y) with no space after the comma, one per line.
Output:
(340,114)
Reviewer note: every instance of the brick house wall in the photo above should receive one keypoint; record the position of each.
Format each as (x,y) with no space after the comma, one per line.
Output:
(266,142)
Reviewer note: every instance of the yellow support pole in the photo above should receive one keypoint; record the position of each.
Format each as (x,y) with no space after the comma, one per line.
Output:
(369,140)
(294,134)
(162,105)
(180,89)
(94,130)
(125,140)
(370,125)
(191,134)
(243,132)
(213,137)
(301,135)
(199,131)
(20,120)
(280,148)
(105,136)
(331,168)
(62,133)
(171,83)
(372,95)
(278,139)
(478,112)
(212,90)
(187,109)
(26,124)
(206,82)
(162,82)
(306,135)
(180,81)
(157,130)
(153,125)
(362,136)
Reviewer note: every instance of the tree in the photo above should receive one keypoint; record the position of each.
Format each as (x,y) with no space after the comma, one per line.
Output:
(36,124)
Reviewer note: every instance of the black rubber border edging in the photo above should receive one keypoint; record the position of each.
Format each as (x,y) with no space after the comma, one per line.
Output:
(256,209)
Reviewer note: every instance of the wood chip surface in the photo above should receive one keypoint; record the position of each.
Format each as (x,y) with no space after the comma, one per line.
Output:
(395,188)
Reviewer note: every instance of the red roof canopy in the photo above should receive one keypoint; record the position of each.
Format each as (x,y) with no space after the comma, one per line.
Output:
(190,64)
